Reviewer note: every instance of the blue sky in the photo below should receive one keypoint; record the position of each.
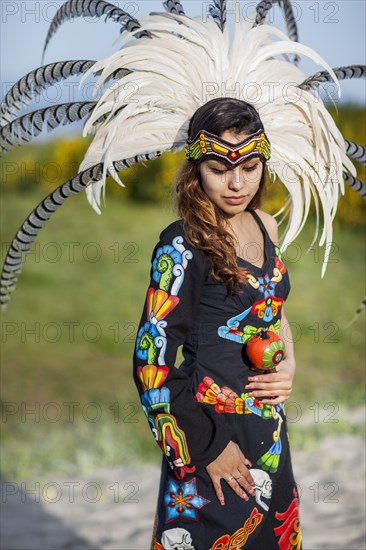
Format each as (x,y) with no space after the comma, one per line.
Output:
(335,29)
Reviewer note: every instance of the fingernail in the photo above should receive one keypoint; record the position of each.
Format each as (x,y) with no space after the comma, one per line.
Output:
(252,492)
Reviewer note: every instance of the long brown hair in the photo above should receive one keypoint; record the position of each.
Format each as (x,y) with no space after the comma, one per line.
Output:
(203,222)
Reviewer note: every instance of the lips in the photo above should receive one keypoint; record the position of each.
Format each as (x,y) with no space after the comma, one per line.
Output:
(235,200)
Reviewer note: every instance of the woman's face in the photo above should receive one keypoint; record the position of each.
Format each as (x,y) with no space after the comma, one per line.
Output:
(231,189)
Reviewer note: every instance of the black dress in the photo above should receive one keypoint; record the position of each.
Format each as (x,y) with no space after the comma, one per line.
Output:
(194,411)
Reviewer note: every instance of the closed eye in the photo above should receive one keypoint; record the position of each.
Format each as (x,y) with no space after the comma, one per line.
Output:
(223,171)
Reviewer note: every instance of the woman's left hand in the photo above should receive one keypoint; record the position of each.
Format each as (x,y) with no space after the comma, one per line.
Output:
(275,387)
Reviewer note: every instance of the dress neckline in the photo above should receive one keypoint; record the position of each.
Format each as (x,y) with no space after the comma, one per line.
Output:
(266,243)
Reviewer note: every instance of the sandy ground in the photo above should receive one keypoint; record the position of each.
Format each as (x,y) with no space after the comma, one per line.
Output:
(114,508)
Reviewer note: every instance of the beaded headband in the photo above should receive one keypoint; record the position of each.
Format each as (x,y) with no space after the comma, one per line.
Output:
(210,145)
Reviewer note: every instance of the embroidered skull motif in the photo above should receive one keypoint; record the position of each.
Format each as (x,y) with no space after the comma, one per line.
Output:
(263,486)
(176,539)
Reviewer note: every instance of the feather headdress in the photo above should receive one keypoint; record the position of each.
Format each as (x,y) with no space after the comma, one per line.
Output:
(173,64)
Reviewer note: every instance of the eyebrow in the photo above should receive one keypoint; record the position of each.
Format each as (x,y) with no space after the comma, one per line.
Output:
(223,166)
(218,164)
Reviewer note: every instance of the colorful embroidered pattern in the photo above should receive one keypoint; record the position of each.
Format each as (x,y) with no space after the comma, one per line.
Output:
(265,309)
(182,500)
(168,271)
(243,336)
(226,400)
(289,532)
(209,145)
(240,537)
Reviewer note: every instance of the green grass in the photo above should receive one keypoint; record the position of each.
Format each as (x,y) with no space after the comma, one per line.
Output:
(85,313)
(308,437)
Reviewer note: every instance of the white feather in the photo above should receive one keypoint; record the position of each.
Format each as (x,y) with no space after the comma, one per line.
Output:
(188,62)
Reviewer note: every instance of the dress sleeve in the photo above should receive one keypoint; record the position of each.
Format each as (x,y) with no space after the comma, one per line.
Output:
(189,435)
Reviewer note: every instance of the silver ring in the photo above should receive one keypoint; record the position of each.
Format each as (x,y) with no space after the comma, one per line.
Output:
(241,475)
(229,478)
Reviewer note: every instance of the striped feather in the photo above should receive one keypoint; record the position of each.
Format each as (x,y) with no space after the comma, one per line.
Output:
(355,184)
(342,73)
(34,82)
(356,151)
(262,9)
(291,25)
(218,13)
(290,21)
(127,163)
(361,307)
(92,8)
(265,6)
(29,230)
(28,126)
(174,6)
(27,233)
(359,310)
(116,75)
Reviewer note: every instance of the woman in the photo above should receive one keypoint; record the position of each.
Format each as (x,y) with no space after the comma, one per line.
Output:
(217,439)
(226,478)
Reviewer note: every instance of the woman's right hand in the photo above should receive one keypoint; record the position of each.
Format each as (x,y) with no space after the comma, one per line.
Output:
(231,463)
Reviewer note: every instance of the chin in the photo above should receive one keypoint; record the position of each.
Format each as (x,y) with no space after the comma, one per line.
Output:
(234,209)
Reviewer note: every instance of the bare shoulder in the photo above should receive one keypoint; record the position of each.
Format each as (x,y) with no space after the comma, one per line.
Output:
(270,224)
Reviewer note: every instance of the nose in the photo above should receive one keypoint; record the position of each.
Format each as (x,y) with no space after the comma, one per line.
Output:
(235,178)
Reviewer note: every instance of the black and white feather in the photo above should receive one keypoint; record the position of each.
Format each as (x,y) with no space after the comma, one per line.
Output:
(92,8)
(359,310)
(356,151)
(291,25)
(30,228)
(174,6)
(342,73)
(218,13)
(262,9)
(265,6)
(26,234)
(355,183)
(28,126)
(290,21)
(33,83)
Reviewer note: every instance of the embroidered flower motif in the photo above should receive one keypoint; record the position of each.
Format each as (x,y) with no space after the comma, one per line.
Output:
(224,399)
(152,376)
(266,286)
(159,303)
(182,500)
